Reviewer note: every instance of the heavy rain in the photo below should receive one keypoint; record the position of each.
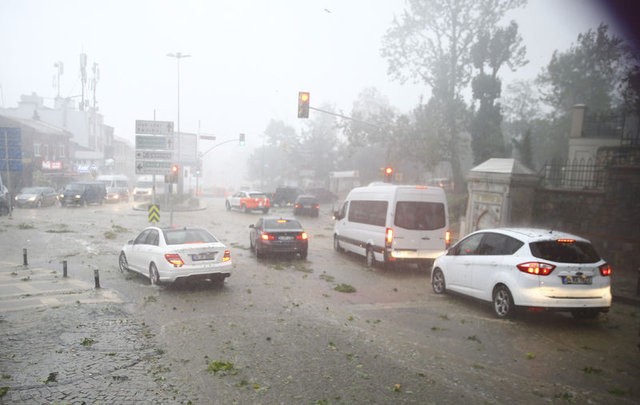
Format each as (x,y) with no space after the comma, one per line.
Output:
(320,202)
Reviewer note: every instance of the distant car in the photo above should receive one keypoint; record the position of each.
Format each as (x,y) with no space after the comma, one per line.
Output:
(306,204)
(36,197)
(524,267)
(248,201)
(323,195)
(82,193)
(278,235)
(117,194)
(285,196)
(171,254)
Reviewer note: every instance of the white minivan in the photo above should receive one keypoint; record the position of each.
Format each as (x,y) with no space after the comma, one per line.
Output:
(389,223)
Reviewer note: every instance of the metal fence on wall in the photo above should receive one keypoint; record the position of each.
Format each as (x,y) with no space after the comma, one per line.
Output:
(574,174)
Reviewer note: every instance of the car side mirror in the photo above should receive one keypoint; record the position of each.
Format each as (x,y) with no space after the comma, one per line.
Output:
(336,215)
(130,242)
(252,226)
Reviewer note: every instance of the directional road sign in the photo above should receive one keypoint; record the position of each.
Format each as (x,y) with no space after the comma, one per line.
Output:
(153,166)
(154,155)
(154,127)
(153,142)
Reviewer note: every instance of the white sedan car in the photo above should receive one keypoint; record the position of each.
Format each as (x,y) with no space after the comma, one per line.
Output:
(170,254)
(525,267)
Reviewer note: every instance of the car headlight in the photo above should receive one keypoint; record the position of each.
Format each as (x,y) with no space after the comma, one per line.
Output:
(32,198)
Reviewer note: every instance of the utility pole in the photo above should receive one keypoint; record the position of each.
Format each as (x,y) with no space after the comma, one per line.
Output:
(178,56)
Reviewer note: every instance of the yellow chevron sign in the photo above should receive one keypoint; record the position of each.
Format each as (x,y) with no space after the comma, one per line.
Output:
(154,213)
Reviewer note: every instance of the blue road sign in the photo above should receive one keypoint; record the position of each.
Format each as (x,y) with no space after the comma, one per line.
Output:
(10,149)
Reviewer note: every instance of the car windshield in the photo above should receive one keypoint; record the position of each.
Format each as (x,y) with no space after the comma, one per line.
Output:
(257,195)
(565,252)
(282,224)
(187,235)
(144,184)
(31,190)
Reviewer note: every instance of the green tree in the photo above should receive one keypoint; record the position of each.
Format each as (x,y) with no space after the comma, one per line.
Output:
(591,72)
(492,50)
(430,44)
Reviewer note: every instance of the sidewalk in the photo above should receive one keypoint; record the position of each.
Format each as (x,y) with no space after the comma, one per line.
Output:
(624,287)
(63,341)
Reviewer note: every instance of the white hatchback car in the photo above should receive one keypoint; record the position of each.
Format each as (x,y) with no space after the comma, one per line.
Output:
(171,254)
(525,267)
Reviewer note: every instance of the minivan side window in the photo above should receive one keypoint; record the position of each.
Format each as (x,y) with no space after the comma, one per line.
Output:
(368,212)
(420,215)
(494,244)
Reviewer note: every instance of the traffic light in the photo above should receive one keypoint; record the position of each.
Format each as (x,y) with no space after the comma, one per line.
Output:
(388,174)
(303,104)
(175,173)
(241,139)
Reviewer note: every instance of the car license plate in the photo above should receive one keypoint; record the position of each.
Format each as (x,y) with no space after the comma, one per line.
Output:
(582,279)
(203,256)
(286,237)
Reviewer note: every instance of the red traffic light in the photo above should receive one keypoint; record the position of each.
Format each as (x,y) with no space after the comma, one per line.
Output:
(388,171)
(175,169)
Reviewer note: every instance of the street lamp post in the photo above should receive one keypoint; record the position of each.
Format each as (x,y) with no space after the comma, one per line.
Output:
(178,56)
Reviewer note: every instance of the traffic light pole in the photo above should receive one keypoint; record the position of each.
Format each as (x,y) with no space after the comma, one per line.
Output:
(215,146)
(343,116)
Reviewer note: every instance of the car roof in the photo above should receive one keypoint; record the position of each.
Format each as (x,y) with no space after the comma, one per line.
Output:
(534,234)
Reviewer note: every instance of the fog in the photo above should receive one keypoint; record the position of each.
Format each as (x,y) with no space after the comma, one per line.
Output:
(248,60)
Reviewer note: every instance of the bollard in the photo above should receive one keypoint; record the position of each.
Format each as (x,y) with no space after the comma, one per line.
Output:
(24,257)
(96,277)
(64,268)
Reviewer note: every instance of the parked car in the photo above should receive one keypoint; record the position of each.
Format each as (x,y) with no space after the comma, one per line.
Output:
(524,267)
(82,193)
(248,201)
(278,235)
(306,204)
(172,254)
(36,197)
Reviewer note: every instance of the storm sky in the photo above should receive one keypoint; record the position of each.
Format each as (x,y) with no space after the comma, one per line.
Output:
(248,59)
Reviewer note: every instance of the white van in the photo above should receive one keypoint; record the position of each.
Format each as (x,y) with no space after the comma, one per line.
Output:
(391,223)
(117,187)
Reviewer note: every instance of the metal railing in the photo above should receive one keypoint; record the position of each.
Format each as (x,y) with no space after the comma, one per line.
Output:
(575,175)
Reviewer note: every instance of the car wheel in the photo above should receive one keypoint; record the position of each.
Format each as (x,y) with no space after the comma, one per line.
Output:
(252,245)
(303,254)
(265,210)
(122,262)
(245,209)
(370,259)
(154,277)
(228,206)
(336,244)
(585,313)
(259,253)
(437,282)
(39,204)
(425,265)
(503,302)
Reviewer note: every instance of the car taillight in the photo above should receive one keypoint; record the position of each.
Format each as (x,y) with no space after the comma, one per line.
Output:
(174,259)
(537,268)
(302,236)
(297,206)
(388,237)
(447,239)
(267,236)
(227,256)
(316,206)
(605,270)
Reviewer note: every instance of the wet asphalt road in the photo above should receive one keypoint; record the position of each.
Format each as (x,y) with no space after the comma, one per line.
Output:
(277,331)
